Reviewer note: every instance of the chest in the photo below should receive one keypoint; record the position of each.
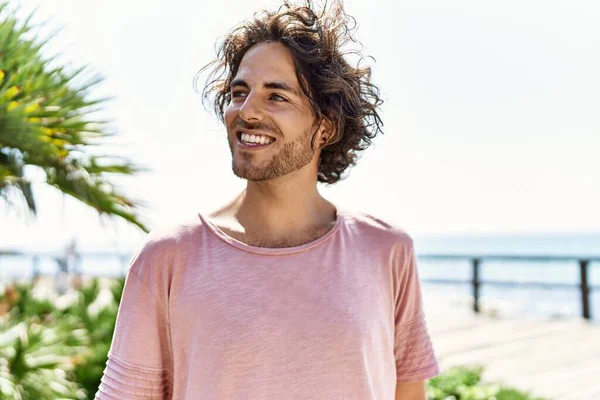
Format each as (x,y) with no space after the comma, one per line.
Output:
(319,301)
(276,242)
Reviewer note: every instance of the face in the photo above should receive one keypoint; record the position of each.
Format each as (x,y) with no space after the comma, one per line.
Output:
(269,121)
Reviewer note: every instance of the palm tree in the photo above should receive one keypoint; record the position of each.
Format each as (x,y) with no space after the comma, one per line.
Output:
(45,122)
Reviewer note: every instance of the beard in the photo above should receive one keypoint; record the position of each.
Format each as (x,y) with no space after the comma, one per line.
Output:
(291,157)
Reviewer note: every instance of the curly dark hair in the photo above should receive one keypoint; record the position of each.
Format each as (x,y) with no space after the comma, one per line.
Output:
(337,91)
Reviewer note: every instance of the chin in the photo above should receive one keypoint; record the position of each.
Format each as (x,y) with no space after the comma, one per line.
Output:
(252,177)
(250,172)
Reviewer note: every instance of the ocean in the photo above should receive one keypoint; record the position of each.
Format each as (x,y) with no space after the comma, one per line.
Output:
(504,301)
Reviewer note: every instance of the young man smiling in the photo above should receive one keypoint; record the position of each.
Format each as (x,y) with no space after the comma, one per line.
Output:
(279,294)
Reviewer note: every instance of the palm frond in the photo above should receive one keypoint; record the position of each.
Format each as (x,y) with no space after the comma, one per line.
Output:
(47,120)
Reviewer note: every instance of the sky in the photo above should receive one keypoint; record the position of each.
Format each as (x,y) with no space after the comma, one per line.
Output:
(491,122)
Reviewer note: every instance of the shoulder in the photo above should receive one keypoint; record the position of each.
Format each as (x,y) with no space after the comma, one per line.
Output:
(165,243)
(389,239)
(170,235)
(377,228)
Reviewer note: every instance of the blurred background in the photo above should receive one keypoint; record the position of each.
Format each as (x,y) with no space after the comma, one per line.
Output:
(489,160)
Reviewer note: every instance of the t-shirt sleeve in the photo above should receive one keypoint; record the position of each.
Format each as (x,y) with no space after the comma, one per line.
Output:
(413,349)
(138,365)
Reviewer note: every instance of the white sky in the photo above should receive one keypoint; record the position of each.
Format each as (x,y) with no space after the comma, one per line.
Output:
(491,115)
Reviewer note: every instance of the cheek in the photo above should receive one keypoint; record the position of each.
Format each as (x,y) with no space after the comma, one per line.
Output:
(296,126)
(231,112)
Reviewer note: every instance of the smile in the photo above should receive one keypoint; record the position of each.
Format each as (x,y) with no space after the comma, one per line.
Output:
(254,142)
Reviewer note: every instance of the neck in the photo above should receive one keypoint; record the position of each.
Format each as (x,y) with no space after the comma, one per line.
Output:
(283,208)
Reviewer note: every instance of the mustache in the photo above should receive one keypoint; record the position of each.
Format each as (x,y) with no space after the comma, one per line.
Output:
(258,126)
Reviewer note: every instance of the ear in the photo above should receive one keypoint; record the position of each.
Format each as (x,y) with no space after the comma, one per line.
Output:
(326,132)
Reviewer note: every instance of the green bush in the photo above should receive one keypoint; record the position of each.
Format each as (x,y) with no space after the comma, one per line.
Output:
(464,383)
(49,352)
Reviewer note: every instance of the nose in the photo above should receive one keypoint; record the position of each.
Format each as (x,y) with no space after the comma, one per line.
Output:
(251,109)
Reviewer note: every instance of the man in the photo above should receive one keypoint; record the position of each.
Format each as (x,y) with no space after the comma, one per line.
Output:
(279,294)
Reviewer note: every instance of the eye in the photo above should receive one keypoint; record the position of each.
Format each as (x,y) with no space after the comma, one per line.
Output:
(237,93)
(277,97)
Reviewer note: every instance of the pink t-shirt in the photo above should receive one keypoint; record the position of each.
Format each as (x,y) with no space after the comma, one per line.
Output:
(205,316)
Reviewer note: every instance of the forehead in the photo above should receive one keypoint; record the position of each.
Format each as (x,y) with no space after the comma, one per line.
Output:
(268,61)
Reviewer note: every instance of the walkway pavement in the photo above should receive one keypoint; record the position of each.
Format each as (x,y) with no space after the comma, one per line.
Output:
(557,359)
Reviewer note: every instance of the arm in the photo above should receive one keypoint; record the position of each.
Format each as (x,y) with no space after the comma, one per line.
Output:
(139,363)
(410,391)
(415,358)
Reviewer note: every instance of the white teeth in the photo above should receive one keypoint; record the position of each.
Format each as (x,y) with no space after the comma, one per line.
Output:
(258,139)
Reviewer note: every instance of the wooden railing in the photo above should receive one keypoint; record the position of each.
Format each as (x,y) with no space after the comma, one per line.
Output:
(585,288)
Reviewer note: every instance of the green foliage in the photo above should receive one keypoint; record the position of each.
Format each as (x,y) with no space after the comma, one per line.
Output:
(100,327)
(61,352)
(465,383)
(37,359)
(25,306)
(45,121)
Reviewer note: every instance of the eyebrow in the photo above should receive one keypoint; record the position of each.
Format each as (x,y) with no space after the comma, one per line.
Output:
(267,85)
